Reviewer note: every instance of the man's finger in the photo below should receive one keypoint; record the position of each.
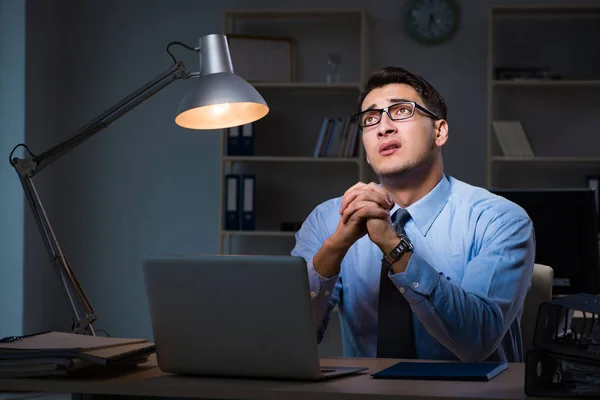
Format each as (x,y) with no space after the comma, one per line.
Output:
(350,195)
(370,212)
(376,188)
(356,206)
(375,197)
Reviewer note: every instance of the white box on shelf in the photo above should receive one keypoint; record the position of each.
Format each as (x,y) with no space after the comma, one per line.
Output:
(262,58)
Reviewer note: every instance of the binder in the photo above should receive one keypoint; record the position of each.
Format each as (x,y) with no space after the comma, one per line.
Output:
(321,137)
(442,371)
(232,211)
(344,138)
(334,132)
(234,141)
(512,139)
(336,138)
(525,148)
(351,150)
(247,138)
(593,182)
(248,199)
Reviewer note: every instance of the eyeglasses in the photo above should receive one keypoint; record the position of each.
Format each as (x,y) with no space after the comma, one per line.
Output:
(396,112)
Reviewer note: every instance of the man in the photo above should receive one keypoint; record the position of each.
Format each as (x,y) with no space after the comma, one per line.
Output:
(458,263)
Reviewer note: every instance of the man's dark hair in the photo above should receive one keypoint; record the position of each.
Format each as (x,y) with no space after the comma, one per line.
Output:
(433,100)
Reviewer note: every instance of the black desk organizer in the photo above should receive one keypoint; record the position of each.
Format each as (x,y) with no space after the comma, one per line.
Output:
(560,338)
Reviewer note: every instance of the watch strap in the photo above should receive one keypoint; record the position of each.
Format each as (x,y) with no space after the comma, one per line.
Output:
(397,252)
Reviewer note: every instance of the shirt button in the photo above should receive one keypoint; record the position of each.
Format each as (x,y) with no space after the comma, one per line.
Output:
(402,290)
(313,295)
(327,293)
(415,284)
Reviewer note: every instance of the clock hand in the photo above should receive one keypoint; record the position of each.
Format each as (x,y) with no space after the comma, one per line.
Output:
(431,21)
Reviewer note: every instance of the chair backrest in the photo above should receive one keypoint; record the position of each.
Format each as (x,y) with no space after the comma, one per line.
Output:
(539,292)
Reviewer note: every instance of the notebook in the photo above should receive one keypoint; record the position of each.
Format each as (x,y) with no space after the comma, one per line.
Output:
(61,353)
(453,371)
(231,315)
(61,341)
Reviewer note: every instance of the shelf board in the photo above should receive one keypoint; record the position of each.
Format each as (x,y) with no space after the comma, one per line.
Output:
(354,160)
(258,233)
(573,160)
(543,82)
(292,13)
(307,85)
(544,9)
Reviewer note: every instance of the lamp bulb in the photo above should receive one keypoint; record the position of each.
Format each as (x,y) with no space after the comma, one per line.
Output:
(221,109)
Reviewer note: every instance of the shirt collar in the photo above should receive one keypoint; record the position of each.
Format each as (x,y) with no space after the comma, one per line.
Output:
(425,211)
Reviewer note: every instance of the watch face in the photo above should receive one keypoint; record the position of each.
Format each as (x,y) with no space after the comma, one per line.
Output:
(431,21)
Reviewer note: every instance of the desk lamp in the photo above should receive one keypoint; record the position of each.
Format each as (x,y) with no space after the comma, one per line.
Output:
(220,99)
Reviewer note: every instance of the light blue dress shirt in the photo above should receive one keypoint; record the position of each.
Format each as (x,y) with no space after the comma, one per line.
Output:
(465,282)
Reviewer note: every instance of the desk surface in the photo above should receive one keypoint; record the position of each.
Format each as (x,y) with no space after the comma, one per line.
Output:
(148,380)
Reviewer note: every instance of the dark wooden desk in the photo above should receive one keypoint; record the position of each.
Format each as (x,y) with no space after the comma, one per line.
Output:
(149,381)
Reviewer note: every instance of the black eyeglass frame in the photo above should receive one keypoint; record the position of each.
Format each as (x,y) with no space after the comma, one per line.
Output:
(387,111)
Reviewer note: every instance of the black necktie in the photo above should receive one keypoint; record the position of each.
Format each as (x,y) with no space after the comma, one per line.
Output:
(394,323)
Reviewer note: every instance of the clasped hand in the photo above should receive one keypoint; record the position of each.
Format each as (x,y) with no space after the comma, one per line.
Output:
(365,209)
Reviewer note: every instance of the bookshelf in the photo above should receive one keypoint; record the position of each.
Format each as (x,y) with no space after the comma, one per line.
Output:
(290,181)
(259,233)
(565,160)
(308,85)
(275,159)
(557,109)
(557,83)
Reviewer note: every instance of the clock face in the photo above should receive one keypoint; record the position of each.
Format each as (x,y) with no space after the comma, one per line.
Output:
(431,21)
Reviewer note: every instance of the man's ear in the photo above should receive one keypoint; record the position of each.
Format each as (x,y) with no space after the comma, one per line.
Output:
(441,132)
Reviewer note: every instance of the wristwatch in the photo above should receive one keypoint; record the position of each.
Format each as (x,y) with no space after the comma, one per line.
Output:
(402,247)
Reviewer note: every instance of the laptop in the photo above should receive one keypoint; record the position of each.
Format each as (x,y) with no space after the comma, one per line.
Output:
(234,315)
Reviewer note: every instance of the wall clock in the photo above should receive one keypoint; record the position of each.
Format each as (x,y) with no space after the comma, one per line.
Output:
(431,21)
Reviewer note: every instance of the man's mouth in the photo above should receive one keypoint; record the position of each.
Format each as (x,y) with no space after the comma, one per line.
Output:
(389,148)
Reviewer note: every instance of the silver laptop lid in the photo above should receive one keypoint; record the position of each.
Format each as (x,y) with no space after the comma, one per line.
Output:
(232,315)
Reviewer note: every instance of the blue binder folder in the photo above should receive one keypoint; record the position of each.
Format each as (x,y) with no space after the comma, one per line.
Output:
(234,141)
(443,371)
(248,191)
(247,139)
(232,210)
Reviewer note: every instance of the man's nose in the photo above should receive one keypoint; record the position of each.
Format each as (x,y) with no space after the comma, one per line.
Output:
(386,125)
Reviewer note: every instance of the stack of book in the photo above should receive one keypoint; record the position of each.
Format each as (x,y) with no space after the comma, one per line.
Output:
(337,138)
(61,353)
(512,139)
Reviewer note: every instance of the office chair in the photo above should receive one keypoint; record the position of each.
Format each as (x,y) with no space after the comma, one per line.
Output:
(331,345)
(539,292)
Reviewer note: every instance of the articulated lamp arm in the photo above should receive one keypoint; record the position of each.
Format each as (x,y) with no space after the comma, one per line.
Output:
(28,167)
(220,100)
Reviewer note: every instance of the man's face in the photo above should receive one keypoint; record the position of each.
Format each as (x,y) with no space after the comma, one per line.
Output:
(394,147)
